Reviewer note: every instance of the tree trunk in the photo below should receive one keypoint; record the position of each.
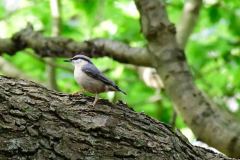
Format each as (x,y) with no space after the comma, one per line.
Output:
(37,123)
(209,123)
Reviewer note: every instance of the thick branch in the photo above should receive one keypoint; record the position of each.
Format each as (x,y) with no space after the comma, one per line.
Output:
(184,29)
(63,47)
(37,123)
(209,124)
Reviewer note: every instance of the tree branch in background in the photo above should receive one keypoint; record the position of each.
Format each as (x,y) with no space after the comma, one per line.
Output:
(55,6)
(9,70)
(150,77)
(43,124)
(61,66)
(207,121)
(8,46)
(64,47)
(185,27)
(188,21)
(174,118)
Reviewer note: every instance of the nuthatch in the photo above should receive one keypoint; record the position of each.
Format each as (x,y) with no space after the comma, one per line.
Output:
(90,78)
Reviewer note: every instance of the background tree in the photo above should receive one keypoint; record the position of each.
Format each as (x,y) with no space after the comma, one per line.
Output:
(211,53)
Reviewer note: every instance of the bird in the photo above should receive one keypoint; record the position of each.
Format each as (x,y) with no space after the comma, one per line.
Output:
(90,77)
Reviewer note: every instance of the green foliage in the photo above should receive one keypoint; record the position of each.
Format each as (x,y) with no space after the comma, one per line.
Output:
(213,50)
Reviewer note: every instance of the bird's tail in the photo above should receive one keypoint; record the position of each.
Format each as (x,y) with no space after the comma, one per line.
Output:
(114,87)
(118,89)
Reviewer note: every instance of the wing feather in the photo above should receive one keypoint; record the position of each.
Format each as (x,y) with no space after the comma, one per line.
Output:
(93,72)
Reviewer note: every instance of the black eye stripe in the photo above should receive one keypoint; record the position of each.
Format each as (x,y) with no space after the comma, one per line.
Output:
(86,59)
(76,58)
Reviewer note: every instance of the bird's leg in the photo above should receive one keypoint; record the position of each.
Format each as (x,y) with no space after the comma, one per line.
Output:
(95,100)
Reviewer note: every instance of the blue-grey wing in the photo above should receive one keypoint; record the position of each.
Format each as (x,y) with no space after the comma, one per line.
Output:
(93,72)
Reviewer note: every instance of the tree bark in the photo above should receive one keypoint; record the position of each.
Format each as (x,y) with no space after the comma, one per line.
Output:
(64,47)
(210,124)
(203,117)
(37,123)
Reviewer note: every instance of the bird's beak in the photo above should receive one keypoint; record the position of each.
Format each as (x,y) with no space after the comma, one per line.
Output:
(67,60)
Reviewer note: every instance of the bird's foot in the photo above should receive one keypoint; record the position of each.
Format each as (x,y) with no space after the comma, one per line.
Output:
(95,100)
(94,103)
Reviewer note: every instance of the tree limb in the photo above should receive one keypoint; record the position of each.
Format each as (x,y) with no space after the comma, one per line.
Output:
(63,47)
(37,123)
(185,27)
(208,123)
(55,6)
(188,21)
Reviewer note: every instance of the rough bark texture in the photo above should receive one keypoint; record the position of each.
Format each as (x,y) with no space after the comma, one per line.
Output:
(209,124)
(37,123)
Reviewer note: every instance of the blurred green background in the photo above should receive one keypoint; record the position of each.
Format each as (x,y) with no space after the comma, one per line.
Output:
(213,50)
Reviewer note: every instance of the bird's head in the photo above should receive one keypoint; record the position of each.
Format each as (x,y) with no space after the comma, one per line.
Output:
(79,59)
